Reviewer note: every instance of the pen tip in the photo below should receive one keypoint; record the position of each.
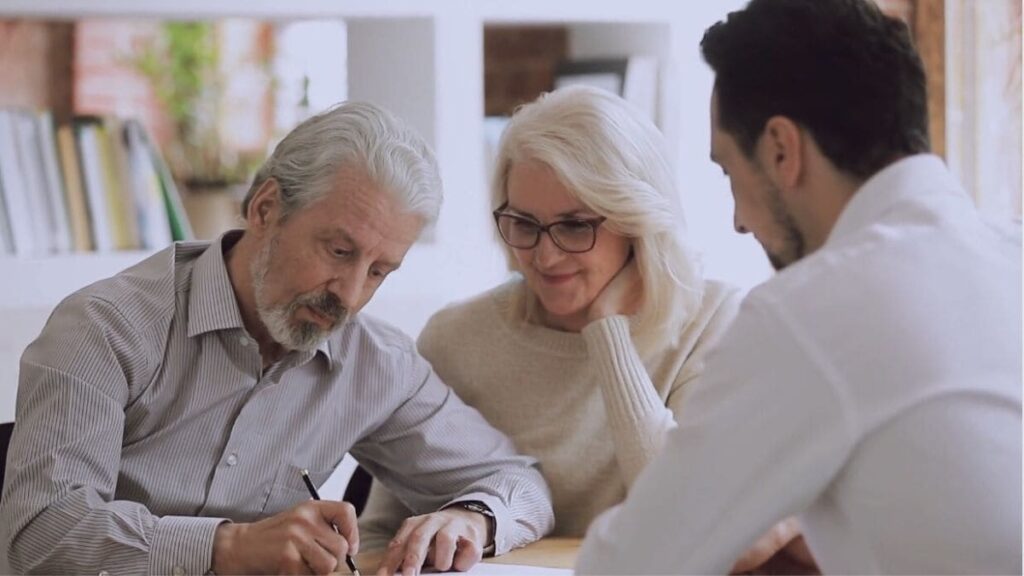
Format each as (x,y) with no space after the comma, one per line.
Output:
(305,472)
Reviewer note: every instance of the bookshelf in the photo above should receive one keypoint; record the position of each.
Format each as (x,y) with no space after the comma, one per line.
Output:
(423,59)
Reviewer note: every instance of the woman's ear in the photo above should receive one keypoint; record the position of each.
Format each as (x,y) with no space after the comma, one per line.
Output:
(782,153)
(265,207)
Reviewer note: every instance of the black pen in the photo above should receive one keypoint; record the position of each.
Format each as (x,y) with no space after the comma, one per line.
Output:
(316,496)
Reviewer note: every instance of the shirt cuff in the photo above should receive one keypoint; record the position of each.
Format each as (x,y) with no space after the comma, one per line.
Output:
(183,545)
(503,523)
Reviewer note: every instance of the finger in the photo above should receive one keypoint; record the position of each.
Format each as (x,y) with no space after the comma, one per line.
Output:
(334,543)
(420,539)
(767,545)
(315,518)
(291,561)
(467,555)
(445,544)
(392,557)
(343,516)
(798,550)
(396,547)
(316,557)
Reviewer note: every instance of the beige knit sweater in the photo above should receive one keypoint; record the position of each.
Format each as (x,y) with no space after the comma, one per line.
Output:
(583,404)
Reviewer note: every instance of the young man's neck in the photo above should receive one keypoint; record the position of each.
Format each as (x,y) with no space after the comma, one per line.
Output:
(826,195)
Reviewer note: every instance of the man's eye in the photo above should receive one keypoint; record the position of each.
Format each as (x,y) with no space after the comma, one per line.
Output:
(340,252)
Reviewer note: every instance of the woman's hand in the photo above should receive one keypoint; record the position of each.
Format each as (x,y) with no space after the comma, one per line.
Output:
(621,296)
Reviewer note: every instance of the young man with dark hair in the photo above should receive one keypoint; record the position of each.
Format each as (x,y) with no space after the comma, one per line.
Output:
(873,386)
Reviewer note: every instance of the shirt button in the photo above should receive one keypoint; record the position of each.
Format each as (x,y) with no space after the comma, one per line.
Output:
(243,340)
(104,573)
(178,571)
(232,459)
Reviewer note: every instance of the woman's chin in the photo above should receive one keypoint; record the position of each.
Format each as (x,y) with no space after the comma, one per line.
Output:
(562,314)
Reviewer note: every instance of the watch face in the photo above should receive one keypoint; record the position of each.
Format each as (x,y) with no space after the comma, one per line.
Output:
(477,507)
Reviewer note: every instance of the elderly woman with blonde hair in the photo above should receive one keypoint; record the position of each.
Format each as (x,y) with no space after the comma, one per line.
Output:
(584,358)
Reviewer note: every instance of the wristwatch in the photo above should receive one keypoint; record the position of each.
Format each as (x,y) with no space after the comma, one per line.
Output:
(481,508)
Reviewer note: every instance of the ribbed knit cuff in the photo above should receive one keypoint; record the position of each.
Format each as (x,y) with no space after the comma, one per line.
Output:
(183,545)
(624,379)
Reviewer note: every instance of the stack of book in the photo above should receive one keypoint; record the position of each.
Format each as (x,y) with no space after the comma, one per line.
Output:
(94,184)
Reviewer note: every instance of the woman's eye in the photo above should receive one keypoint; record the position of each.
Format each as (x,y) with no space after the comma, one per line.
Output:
(524,226)
(573,226)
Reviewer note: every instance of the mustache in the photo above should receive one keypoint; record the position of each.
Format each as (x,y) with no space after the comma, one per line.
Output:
(325,304)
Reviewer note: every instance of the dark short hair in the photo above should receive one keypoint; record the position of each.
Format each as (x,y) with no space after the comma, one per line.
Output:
(841,69)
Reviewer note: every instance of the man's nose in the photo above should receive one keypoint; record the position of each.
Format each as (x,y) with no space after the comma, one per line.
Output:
(348,288)
(737,224)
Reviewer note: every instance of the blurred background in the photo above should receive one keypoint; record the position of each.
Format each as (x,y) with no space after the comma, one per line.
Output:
(125,125)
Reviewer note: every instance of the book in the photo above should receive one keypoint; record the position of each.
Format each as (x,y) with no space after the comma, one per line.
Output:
(89,141)
(19,215)
(34,180)
(78,209)
(111,187)
(6,240)
(97,183)
(181,229)
(154,223)
(61,229)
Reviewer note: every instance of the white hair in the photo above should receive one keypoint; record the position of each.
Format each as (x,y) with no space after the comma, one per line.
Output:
(358,134)
(613,160)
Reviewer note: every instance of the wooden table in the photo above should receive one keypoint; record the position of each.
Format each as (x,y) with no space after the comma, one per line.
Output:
(549,552)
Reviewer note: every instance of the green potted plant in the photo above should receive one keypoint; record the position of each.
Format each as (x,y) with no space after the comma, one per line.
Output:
(182,64)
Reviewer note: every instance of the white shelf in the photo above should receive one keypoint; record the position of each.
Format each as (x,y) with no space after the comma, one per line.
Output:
(42,282)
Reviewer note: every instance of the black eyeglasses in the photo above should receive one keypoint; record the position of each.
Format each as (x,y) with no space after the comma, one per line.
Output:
(573,235)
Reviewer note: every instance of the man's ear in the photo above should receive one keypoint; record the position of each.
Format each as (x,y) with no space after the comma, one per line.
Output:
(782,151)
(265,207)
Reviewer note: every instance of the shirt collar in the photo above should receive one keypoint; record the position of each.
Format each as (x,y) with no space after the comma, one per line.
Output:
(212,304)
(913,178)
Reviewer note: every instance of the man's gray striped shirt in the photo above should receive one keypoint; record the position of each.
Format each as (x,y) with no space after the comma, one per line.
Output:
(145,419)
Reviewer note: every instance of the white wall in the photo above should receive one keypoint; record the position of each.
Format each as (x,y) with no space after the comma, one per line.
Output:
(705,190)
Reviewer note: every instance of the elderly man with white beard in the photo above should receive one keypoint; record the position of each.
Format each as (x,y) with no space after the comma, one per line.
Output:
(165,414)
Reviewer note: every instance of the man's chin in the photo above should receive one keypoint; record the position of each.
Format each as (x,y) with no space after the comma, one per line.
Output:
(311,335)
(777,263)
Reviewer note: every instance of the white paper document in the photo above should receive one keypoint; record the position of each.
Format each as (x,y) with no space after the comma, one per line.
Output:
(483,569)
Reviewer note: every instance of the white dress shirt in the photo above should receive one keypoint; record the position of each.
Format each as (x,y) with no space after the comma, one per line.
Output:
(873,389)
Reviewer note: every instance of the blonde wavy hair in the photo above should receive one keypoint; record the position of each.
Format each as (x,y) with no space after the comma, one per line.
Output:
(613,160)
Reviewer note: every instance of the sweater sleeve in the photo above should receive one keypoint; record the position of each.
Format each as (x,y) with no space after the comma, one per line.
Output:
(637,417)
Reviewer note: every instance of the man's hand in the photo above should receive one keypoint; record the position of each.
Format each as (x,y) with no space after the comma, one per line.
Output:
(297,541)
(451,539)
(778,538)
(622,295)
